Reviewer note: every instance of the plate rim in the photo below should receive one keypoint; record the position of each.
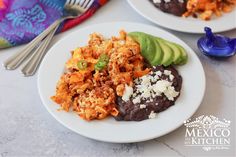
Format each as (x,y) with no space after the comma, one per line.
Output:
(110,140)
(176,28)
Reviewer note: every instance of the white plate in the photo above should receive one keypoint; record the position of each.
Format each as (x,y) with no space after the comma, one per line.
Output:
(190,25)
(110,130)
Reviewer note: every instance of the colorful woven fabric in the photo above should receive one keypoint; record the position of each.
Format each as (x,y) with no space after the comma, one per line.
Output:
(22,20)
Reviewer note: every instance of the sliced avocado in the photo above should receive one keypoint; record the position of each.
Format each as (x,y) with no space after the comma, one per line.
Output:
(167,51)
(150,49)
(184,56)
(159,51)
(176,50)
(178,59)
(157,60)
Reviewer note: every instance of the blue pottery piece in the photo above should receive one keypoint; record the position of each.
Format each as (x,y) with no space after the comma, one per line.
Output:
(216,45)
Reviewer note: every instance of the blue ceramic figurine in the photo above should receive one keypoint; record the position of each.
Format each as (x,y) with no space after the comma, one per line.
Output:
(216,45)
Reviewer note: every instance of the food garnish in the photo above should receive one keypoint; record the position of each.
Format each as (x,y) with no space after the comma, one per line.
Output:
(159,51)
(82,64)
(102,62)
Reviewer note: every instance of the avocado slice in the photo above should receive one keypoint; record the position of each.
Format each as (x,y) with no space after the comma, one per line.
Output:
(176,50)
(167,51)
(150,49)
(184,57)
(157,60)
(159,51)
(181,56)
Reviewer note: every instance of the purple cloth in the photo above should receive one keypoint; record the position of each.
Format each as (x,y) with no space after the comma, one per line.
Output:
(22,20)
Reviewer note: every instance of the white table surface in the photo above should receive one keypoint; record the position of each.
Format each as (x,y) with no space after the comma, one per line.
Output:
(27,129)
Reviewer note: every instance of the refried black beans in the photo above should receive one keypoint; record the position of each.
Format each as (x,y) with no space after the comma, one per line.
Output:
(140,106)
(175,7)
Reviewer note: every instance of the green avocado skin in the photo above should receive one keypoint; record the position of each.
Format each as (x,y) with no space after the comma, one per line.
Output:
(159,51)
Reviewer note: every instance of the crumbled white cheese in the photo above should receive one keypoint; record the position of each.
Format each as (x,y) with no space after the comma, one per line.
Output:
(147,90)
(170,93)
(142,106)
(161,86)
(167,72)
(127,93)
(122,42)
(181,1)
(136,100)
(152,115)
(171,77)
(146,93)
(167,1)
(154,78)
(164,86)
(137,81)
(156,1)
(158,73)
(146,80)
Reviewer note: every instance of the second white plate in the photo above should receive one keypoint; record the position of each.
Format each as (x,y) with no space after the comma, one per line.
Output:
(190,25)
